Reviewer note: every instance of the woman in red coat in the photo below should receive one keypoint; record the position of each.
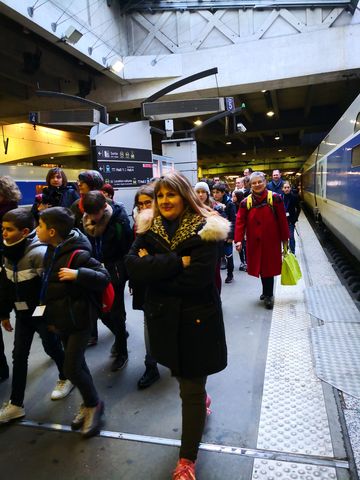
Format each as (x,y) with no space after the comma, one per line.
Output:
(263,220)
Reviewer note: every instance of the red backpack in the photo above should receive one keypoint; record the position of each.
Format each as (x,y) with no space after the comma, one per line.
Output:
(108,294)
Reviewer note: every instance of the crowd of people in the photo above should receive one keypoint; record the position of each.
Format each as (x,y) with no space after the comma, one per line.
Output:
(60,255)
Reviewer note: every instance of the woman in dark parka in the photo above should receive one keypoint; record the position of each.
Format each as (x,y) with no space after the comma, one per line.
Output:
(174,257)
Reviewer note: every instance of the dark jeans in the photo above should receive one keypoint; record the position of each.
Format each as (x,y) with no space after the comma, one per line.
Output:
(193,396)
(4,368)
(268,286)
(242,253)
(228,251)
(75,367)
(292,237)
(116,319)
(25,329)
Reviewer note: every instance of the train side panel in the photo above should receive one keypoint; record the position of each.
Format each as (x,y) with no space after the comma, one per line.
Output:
(331,180)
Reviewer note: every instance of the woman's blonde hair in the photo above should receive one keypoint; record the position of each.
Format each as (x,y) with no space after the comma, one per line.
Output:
(9,190)
(178,183)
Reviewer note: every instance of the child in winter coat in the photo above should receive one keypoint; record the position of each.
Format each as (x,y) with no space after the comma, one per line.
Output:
(20,289)
(70,301)
(108,229)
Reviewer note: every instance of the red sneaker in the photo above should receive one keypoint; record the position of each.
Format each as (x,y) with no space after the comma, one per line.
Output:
(208,403)
(185,470)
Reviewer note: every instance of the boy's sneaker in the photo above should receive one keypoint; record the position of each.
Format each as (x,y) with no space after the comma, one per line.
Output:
(119,363)
(62,389)
(79,418)
(92,420)
(10,412)
(185,470)
(229,278)
(208,403)
(151,375)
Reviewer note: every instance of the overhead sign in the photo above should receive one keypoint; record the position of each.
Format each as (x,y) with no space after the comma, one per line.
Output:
(229,103)
(124,167)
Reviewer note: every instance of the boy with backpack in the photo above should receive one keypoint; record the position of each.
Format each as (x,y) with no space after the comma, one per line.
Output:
(20,285)
(108,229)
(70,301)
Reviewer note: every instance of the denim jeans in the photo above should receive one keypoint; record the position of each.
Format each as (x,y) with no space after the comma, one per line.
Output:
(292,237)
(228,251)
(25,329)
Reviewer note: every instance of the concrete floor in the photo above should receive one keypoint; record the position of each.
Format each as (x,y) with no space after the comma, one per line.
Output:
(32,452)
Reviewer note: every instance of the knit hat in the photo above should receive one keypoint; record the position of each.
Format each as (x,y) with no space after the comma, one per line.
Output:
(107,188)
(92,178)
(202,186)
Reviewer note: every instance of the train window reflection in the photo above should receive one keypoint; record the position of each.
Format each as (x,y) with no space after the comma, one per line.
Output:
(355,156)
(357,123)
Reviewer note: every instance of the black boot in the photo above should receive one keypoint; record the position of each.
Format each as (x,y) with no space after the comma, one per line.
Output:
(151,375)
(269,302)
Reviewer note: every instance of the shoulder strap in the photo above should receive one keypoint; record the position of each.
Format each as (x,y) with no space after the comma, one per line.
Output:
(72,257)
(249,201)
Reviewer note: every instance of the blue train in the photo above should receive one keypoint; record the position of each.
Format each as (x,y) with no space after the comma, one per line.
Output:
(330,179)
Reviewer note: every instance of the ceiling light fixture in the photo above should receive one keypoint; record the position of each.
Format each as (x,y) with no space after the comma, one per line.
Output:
(270,108)
(243,153)
(116,65)
(280,150)
(277,136)
(198,122)
(72,35)
(228,143)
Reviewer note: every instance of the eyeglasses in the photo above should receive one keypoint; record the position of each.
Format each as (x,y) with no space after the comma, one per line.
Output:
(146,204)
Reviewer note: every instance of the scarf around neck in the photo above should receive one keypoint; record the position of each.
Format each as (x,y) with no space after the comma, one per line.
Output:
(97,229)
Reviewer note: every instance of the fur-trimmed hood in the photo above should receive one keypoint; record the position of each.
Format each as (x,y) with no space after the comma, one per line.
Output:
(212,228)
(215,229)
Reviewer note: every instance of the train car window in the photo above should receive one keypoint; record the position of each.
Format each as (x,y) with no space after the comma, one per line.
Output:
(355,156)
(357,123)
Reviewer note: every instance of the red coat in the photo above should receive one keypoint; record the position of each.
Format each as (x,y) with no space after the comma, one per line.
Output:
(265,227)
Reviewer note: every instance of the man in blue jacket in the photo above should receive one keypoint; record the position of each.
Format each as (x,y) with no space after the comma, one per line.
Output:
(276,184)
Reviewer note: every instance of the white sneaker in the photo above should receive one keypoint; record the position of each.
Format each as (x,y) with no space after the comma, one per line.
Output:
(62,389)
(10,412)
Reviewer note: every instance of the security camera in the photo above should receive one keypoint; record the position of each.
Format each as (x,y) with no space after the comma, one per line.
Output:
(241,127)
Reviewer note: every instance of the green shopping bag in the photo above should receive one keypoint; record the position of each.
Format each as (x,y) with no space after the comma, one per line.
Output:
(290,269)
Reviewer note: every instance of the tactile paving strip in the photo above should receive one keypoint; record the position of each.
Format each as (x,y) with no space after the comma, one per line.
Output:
(331,303)
(337,352)
(293,415)
(271,470)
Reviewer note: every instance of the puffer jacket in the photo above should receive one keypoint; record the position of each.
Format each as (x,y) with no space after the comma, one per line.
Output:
(22,282)
(72,306)
(182,305)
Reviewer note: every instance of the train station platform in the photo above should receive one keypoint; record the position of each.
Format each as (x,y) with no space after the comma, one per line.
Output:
(272,416)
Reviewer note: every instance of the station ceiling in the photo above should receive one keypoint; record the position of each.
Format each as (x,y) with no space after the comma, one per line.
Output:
(302,115)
